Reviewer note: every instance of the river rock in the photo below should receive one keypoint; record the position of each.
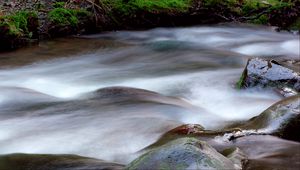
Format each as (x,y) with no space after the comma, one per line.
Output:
(192,130)
(186,130)
(53,162)
(270,73)
(264,152)
(269,152)
(236,155)
(129,94)
(182,153)
(281,119)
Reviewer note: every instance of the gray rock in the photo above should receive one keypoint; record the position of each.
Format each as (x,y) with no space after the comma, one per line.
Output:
(237,156)
(270,73)
(182,153)
(281,119)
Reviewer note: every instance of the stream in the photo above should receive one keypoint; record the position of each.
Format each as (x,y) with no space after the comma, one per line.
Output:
(50,100)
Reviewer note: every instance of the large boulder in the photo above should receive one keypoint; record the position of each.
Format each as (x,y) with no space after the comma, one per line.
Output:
(53,162)
(281,119)
(269,73)
(182,153)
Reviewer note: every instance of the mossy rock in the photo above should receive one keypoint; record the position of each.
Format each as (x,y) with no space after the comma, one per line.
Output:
(63,17)
(53,162)
(182,153)
(63,21)
(17,29)
(21,23)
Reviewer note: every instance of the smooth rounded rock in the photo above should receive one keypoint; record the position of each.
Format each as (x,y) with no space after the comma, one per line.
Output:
(281,119)
(182,153)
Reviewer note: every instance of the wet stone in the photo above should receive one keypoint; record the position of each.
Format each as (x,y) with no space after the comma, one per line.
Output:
(272,74)
(281,119)
(182,153)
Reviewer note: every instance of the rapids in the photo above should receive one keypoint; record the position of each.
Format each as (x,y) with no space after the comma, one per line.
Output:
(46,103)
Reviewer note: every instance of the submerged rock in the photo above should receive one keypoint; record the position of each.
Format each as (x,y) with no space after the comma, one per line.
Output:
(136,95)
(270,73)
(182,153)
(281,119)
(53,162)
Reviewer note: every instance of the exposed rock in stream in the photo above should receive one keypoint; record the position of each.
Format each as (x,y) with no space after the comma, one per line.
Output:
(54,162)
(281,119)
(270,73)
(182,153)
(114,123)
(263,151)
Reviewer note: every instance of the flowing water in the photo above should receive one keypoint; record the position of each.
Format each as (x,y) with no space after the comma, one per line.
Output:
(49,101)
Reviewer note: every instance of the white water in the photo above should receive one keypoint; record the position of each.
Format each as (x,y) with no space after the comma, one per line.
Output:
(197,64)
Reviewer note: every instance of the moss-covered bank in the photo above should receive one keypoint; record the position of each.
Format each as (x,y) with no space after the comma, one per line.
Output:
(24,21)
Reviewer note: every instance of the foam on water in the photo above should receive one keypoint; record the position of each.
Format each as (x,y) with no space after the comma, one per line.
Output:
(290,48)
(119,132)
(1,99)
(249,41)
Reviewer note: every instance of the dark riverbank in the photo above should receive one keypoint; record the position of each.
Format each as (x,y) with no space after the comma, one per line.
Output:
(27,22)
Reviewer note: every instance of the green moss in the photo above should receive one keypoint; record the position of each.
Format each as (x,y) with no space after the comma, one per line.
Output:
(295,25)
(81,13)
(132,6)
(251,5)
(263,19)
(240,83)
(211,3)
(154,5)
(17,24)
(59,4)
(67,17)
(254,8)
(63,17)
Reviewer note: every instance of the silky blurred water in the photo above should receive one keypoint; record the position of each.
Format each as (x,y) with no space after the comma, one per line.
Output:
(44,106)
